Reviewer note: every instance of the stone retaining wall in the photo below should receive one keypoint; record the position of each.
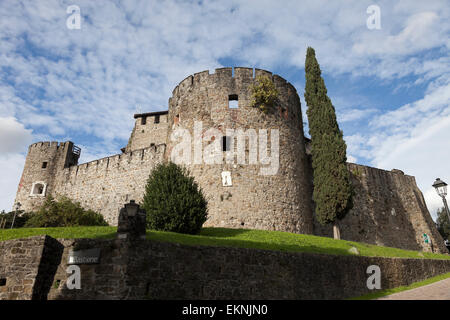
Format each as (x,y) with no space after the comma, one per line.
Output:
(155,270)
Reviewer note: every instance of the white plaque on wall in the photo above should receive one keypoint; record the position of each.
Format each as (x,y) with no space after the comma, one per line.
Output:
(226,179)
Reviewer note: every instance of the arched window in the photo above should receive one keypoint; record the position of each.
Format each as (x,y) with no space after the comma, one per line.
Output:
(38,189)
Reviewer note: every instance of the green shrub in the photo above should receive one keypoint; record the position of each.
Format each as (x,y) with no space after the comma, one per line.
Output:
(174,201)
(64,213)
(264,94)
(20,220)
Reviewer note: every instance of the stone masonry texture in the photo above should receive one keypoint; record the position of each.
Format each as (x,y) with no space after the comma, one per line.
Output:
(389,209)
(145,269)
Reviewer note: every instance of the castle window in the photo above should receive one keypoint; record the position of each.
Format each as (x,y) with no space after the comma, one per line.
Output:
(143,120)
(38,189)
(2,282)
(44,164)
(157,118)
(233,102)
(225,143)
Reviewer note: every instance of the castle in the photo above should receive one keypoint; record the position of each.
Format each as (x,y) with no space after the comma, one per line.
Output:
(389,209)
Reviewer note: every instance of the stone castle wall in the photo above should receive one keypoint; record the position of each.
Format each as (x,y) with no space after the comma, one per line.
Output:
(253,200)
(105,185)
(147,132)
(156,270)
(389,210)
(56,157)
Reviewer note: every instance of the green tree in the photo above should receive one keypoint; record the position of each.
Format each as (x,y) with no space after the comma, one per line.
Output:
(332,186)
(174,201)
(443,225)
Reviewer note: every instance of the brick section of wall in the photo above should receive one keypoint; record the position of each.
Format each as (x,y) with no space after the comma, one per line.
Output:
(156,270)
(389,210)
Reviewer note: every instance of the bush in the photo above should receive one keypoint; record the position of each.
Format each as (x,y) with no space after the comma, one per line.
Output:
(264,94)
(64,213)
(174,201)
(21,218)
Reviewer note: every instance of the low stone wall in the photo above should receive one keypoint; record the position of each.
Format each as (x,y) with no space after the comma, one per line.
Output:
(155,270)
(27,267)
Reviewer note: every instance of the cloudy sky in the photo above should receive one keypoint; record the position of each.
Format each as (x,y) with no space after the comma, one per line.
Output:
(390,86)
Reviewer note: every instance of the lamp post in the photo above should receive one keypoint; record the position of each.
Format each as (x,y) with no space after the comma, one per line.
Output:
(441,189)
(17,207)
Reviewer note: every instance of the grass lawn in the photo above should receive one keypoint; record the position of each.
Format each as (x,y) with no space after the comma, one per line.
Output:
(242,238)
(383,293)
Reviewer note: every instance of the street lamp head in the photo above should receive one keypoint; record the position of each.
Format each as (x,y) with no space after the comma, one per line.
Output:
(441,187)
(132,208)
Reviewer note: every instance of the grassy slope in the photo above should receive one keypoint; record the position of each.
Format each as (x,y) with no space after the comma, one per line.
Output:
(257,239)
(383,293)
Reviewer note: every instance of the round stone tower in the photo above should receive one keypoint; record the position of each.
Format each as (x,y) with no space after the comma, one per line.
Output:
(248,183)
(43,163)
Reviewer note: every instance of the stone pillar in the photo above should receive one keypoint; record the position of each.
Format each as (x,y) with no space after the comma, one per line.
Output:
(132,222)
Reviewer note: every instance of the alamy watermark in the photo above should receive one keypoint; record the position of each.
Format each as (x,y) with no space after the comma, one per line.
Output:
(374,20)
(74,280)
(74,20)
(374,280)
(220,148)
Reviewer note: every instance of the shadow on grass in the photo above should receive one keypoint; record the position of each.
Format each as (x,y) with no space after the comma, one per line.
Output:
(222,232)
(221,238)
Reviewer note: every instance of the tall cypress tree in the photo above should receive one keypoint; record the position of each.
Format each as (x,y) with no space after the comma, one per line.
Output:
(332,186)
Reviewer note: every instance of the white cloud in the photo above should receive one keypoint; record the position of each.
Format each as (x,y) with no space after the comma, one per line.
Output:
(13,136)
(12,165)
(414,138)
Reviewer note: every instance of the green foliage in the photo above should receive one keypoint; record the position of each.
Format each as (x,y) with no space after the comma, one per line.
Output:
(64,213)
(443,225)
(332,186)
(174,201)
(20,220)
(264,94)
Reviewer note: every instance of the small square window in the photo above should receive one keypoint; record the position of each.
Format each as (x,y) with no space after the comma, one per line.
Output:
(157,119)
(233,102)
(143,120)
(2,282)
(44,164)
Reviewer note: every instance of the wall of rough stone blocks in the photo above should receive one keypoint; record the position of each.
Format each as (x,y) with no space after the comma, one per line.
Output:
(156,270)
(28,267)
(389,210)
(105,185)
(272,202)
(144,135)
(55,155)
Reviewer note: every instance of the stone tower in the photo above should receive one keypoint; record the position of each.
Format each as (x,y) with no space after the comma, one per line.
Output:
(241,195)
(44,162)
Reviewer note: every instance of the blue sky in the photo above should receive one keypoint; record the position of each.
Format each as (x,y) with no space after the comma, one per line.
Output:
(390,86)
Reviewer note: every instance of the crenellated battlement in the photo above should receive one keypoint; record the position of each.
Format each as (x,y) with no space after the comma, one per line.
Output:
(120,159)
(47,144)
(225,76)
